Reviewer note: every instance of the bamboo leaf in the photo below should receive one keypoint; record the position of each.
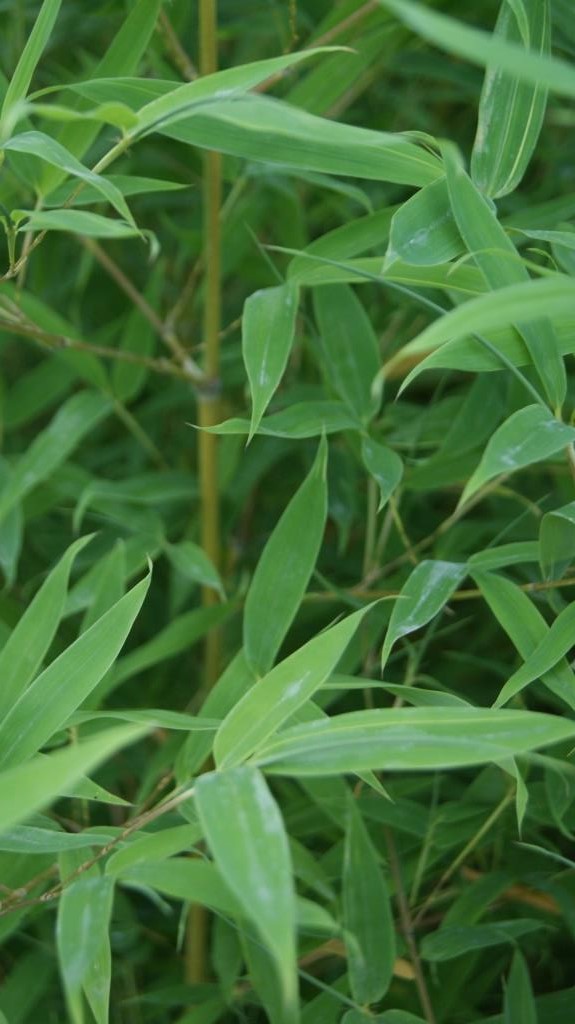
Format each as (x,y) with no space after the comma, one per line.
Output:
(35,45)
(83,943)
(485,49)
(515,303)
(552,648)
(422,596)
(501,265)
(511,111)
(31,786)
(519,1004)
(79,222)
(268,326)
(30,639)
(367,917)
(384,465)
(530,435)
(557,540)
(246,835)
(285,567)
(41,146)
(423,230)
(409,739)
(349,348)
(79,414)
(266,130)
(56,693)
(268,704)
(526,627)
(302,419)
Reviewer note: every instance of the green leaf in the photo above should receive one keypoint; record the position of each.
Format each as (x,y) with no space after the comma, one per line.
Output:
(552,648)
(367,918)
(451,941)
(511,111)
(29,787)
(302,419)
(557,541)
(519,1004)
(384,465)
(349,348)
(192,562)
(423,595)
(268,704)
(35,44)
(50,700)
(485,49)
(30,639)
(409,739)
(246,835)
(158,846)
(516,553)
(78,222)
(517,303)
(39,145)
(530,435)
(83,943)
(180,102)
(11,531)
(500,264)
(526,627)
(50,448)
(285,567)
(269,131)
(423,230)
(121,58)
(268,326)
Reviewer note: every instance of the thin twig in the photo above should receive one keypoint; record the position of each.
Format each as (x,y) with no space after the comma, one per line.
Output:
(175,49)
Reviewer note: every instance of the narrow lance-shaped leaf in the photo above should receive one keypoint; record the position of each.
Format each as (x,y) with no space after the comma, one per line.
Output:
(554,646)
(423,230)
(268,325)
(48,703)
(268,704)
(31,637)
(79,222)
(121,58)
(422,596)
(285,567)
(246,835)
(409,739)
(258,128)
(529,435)
(485,49)
(557,540)
(53,445)
(511,111)
(501,265)
(43,147)
(551,296)
(384,465)
(367,919)
(29,787)
(82,938)
(192,562)
(526,627)
(35,45)
(180,102)
(519,1005)
(350,353)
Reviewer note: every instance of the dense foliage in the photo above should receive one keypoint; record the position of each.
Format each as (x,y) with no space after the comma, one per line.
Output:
(286,512)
